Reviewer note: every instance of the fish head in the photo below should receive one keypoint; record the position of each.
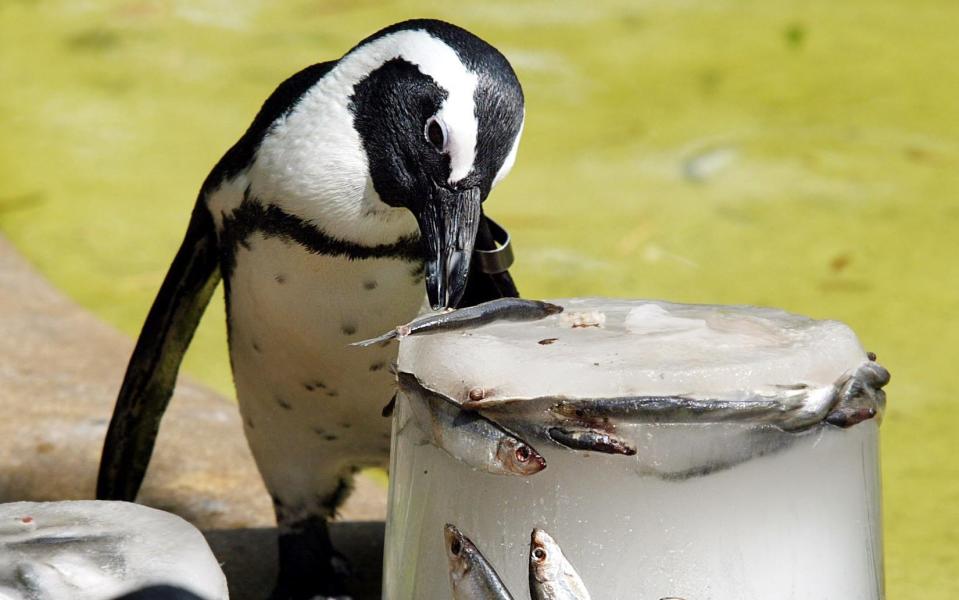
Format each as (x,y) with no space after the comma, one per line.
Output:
(461,554)
(545,557)
(516,457)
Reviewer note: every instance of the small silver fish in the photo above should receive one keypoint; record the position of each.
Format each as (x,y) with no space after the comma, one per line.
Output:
(471,576)
(501,309)
(468,436)
(790,408)
(861,396)
(551,577)
(591,440)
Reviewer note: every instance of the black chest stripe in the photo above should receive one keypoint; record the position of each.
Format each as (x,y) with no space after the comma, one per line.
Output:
(271,221)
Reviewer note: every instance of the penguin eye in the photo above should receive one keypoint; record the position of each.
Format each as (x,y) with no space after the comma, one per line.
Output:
(539,554)
(435,132)
(455,547)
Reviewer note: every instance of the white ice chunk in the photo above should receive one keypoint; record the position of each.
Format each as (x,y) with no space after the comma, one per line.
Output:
(93,550)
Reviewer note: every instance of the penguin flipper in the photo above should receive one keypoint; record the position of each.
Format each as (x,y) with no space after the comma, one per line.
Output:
(482,286)
(152,370)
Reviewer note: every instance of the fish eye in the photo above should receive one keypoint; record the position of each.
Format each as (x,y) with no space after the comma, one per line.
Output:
(455,547)
(435,133)
(523,453)
(539,554)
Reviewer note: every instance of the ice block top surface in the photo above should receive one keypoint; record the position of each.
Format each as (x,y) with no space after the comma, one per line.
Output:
(602,347)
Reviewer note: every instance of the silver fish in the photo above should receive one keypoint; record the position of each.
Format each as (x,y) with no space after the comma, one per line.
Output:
(551,577)
(471,576)
(501,309)
(790,408)
(466,435)
(861,396)
(856,396)
(591,440)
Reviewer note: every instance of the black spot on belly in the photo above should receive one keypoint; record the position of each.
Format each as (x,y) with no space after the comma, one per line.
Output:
(316,384)
(369,285)
(279,278)
(330,437)
(332,393)
(377,366)
(283,403)
(348,328)
(346,425)
(249,422)
(256,347)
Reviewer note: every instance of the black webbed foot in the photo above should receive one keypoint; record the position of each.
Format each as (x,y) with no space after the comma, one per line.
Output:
(310,567)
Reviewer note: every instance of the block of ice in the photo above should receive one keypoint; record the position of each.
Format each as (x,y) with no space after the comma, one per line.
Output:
(93,550)
(691,451)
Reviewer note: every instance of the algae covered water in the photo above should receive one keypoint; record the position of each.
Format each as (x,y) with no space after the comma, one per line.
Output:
(800,155)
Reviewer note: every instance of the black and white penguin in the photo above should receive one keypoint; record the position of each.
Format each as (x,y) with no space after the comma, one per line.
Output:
(358,181)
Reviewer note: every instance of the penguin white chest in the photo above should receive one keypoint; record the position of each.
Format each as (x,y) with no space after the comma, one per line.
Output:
(312,403)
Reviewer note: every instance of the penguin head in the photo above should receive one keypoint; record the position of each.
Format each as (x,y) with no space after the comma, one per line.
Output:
(421,120)
(440,122)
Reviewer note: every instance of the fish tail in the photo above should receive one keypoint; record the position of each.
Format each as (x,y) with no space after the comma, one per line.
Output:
(389,335)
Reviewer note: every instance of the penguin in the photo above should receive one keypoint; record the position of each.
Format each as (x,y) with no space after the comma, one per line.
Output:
(353,200)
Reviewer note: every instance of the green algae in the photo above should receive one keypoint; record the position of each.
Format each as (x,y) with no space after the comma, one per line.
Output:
(794,154)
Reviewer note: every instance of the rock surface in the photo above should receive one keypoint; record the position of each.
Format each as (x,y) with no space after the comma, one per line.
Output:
(60,369)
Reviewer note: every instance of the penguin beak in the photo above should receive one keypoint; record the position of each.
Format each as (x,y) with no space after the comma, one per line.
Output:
(448,224)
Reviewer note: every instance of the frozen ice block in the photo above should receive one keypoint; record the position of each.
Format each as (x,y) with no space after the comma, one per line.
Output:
(691,451)
(97,550)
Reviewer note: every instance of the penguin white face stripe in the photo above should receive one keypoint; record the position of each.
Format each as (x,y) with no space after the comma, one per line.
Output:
(440,62)
(511,157)
(315,153)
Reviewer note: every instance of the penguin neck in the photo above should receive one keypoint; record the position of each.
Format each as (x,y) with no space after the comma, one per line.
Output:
(252,215)
(342,203)
(362,220)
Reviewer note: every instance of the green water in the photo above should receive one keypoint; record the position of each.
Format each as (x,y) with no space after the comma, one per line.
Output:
(796,154)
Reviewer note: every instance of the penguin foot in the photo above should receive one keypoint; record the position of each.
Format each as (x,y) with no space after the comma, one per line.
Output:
(310,568)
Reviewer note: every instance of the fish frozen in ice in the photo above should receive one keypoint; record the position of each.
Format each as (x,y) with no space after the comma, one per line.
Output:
(551,577)
(471,575)
(468,436)
(590,440)
(787,407)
